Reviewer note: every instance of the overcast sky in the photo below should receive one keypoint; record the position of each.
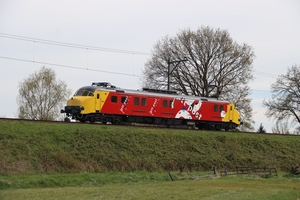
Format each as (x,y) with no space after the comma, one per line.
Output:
(96,40)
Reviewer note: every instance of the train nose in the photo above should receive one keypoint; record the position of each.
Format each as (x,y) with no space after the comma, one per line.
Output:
(74,106)
(74,110)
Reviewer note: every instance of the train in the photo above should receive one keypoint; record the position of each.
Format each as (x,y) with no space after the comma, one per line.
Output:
(106,103)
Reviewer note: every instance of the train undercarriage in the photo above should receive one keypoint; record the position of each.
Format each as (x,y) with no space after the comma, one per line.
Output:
(118,119)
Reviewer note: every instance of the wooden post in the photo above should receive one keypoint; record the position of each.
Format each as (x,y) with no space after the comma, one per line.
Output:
(170,176)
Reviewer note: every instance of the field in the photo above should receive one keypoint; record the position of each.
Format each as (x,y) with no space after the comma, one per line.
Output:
(76,161)
(144,185)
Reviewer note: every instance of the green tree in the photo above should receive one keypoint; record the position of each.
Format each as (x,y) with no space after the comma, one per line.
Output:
(41,96)
(261,129)
(284,106)
(216,66)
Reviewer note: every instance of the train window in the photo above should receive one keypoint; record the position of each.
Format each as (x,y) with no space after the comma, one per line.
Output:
(78,93)
(123,100)
(91,94)
(114,99)
(98,96)
(143,101)
(215,108)
(136,101)
(230,107)
(165,104)
(171,105)
(85,93)
(221,108)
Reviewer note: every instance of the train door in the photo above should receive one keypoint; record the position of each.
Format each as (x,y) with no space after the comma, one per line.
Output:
(230,110)
(97,103)
(139,106)
(229,114)
(167,108)
(219,113)
(101,98)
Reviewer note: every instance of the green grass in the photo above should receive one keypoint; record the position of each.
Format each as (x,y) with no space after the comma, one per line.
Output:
(50,180)
(28,147)
(76,161)
(143,185)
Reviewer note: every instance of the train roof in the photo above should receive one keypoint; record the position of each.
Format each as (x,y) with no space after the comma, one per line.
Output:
(145,91)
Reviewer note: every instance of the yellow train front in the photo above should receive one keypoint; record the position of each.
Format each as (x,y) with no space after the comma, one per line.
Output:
(86,104)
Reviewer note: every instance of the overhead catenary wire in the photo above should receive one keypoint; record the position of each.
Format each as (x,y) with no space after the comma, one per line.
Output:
(68,66)
(265,74)
(89,69)
(72,45)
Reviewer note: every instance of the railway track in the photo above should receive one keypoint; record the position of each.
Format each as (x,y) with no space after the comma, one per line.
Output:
(143,126)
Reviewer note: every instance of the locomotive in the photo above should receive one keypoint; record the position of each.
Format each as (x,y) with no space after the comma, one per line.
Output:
(103,102)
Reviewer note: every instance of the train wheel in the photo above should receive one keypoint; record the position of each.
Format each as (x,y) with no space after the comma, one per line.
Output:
(81,118)
(208,127)
(67,119)
(217,127)
(92,120)
(201,126)
(116,121)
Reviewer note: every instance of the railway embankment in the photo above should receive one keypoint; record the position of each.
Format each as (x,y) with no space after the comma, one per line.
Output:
(30,147)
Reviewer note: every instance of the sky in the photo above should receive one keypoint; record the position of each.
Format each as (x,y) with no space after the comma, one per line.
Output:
(95,40)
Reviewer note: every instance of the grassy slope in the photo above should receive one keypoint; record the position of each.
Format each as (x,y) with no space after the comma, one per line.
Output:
(45,147)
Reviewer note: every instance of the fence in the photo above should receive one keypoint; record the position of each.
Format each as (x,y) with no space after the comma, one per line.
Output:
(250,171)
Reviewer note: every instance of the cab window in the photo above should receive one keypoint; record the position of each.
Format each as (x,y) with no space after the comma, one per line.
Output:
(78,93)
(84,93)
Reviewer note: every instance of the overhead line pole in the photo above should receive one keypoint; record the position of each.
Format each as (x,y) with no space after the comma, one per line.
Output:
(170,71)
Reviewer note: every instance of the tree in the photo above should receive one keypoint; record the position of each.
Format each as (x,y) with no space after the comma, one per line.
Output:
(284,106)
(281,128)
(41,96)
(216,66)
(261,129)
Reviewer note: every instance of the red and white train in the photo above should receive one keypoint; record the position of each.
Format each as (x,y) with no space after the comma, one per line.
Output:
(105,103)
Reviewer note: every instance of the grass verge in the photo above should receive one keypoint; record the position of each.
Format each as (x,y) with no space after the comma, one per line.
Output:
(144,185)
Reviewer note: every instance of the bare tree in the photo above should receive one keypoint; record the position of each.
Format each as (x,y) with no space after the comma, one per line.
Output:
(41,96)
(281,128)
(216,66)
(284,106)
(296,130)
